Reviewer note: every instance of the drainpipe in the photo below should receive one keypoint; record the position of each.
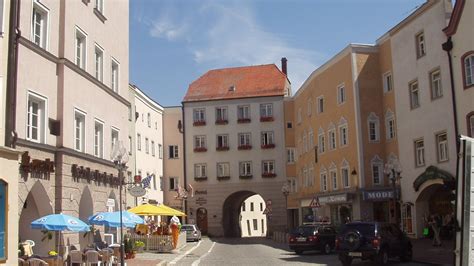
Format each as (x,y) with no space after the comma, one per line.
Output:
(14,34)
(448,46)
(182,130)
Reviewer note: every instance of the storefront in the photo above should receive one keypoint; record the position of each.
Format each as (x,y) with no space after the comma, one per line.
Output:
(382,204)
(335,208)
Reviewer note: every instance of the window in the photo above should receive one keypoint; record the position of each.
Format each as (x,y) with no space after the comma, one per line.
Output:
(320,104)
(343,135)
(332,138)
(289,125)
(148,117)
(245,169)
(99,63)
(173,152)
(114,137)
(200,170)
(152,148)
(147,146)
(130,146)
(244,139)
(345,177)
(251,207)
(470,124)
(199,116)
(414,95)
(419,153)
(373,127)
(223,142)
(79,130)
(36,114)
(267,139)
(310,139)
(341,94)
(442,146)
(160,151)
(324,181)
(377,170)
(387,82)
(223,170)
(311,177)
(161,183)
(221,115)
(299,116)
(305,143)
(255,222)
(309,107)
(420,45)
(99,5)
(114,79)
(40,24)
(243,112)
(139,142)
(261,206)
(266,110)
(199,143)
(407,220)
(3,215)
(173,183)
(435,82)
(81,49)
(321,141)
(99,139)
(390,125)
(268,167)
(468,70)
(243,206)
(333,175)
(290,155)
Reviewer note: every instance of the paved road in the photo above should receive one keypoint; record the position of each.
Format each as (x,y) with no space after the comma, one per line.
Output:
(245,251)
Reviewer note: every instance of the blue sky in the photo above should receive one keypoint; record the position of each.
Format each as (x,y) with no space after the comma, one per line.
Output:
(173,42)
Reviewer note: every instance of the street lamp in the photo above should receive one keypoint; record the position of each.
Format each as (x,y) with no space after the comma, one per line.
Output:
(393,169)
(285,189)
(120,158)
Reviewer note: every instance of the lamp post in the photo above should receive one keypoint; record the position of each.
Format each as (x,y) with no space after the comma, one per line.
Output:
(393,170)
(120,158)
(285,189)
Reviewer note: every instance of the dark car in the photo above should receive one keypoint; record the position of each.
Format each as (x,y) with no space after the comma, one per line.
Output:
(312,237)
(372,240)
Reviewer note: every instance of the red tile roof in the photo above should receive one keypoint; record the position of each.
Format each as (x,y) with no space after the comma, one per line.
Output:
(248,81)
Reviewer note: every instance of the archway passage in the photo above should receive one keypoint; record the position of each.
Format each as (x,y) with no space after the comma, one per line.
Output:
(437,199)
(86,209)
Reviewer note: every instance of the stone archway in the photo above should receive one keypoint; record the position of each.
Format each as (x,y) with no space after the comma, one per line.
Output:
(36,205)
(86,209)
(231,213)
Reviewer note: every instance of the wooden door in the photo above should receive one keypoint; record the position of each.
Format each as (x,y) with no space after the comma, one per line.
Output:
(202,220)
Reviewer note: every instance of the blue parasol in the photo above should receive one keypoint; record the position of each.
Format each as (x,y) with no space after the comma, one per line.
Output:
(60,222)
(112,219)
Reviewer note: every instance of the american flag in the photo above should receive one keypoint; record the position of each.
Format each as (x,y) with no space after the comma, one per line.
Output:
(146,181)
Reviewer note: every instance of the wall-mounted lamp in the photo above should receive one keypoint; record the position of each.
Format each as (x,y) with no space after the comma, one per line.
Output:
(180,126)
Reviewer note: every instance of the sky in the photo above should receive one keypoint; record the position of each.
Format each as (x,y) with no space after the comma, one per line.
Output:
(174,42)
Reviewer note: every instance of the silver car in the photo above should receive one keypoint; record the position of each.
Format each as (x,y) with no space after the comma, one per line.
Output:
(192,232)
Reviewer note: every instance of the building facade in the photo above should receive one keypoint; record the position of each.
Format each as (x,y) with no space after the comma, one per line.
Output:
(235,145)
(72,70)
(253,221)
(148,145)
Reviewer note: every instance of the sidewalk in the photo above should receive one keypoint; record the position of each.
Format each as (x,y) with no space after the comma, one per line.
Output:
(142,262)
(424,252)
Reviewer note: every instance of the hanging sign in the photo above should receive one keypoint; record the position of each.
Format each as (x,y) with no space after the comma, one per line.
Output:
(137,191)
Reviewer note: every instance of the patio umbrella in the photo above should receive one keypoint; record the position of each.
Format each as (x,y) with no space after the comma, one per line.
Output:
(112,219)
(152,210)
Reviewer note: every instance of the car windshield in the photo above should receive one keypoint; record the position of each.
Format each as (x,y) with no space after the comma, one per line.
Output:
(365,229)
(187,228)
(305,230)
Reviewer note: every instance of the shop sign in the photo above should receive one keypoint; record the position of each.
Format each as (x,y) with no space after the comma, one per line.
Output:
(110,203)
(38,168)
(378,195)
(81,172)
(333,198)
(201,201)
(200,192)
(137,191)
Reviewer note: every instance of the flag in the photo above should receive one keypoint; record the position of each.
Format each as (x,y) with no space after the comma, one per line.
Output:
(146,181)
(192,190)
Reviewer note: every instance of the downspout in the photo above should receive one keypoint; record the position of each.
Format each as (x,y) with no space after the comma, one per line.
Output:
(448,46)
(182,131)
(14,34)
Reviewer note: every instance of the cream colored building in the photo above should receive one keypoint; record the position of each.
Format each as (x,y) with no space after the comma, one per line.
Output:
(72,71)
(173,176)
(148,145)
(253,221)
(235,145)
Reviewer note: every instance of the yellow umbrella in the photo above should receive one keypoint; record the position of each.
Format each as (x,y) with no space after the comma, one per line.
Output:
(152,210)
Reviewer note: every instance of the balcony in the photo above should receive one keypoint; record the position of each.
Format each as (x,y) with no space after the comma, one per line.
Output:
(266,118)
(245,176)
(268,146)
(222,122)
(199,123)
(244,147)
(223,148)
(226,177)
(200,149)
(243,120)
(268,175)
(200,178)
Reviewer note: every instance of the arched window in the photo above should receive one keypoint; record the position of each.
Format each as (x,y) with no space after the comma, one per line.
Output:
(373,124)
(333,175)
(321,141)
(390,128)
(345,180)
(332,136)
(468,69)
(324,179)
(376,165)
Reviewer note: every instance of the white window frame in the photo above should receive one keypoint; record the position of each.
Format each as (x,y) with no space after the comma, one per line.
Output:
(147,145)
(99,66)
(82,61)
(225,141)
(243,112)
(42,102)
(160,151)
(374,120)
(442,147)
(332,138)
(419,153)
(245,168)
(99,6)
(420,44)
(390,126)
(173,180)
(268,167)
(321,141)
(266,110)
(267,138)
(341,94)
(99,140)
(222,113)
(310,139)
(290,155)
(223,169)
(324,180)
(200,170)
(387,82)
(139,141)
(115,78)
(320,104)
(376,166)
(414,90)
(199,141)
(345,169)
(244,138)
(436,85)
(468,65)
(148,117)
(343,138)
(112,131)
(175,152)
(82,138)
(44,36)
(199,115)
(333,177)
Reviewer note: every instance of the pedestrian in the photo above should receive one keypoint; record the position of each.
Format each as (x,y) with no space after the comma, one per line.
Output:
(435,223)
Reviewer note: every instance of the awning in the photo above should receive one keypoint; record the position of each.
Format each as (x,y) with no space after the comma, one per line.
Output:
(432,172)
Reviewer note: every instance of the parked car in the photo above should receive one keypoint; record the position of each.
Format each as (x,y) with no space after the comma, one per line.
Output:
(312,237)
(372,240)
(192,232)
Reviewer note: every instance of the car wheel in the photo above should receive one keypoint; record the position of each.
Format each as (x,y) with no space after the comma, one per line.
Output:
(326,248)
(407,255)
(382,257)
(345,260)
(299,252)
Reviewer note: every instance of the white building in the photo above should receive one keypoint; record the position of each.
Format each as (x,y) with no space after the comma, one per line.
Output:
(148,145)
(253,222)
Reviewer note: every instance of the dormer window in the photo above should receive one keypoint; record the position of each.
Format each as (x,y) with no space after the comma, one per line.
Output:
(232,88)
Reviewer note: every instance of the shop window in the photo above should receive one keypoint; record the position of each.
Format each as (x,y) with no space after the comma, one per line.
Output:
(407,218)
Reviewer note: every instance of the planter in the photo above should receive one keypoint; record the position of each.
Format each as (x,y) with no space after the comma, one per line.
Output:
(243,120)
(245,147)
(268,146)
(245,176)
(220,178)
(201,149)
(222,122)
(222,148)
(202,178)
(140,249)
(266,119)
(199,123)
(268,175)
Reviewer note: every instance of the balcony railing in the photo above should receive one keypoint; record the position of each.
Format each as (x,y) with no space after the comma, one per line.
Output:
(245,147)
(199,123)
(266,118)
(268,146)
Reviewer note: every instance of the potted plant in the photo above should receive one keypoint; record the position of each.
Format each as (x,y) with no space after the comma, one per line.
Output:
(128,246)
(139,246)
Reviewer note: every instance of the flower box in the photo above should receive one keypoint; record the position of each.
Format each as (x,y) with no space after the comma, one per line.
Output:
(269,175)
(245,147)
(222,122)
(266,119)
(245,176)
(200,178)
(199,123)
(200,149)
(223,177)
(222,148)
(268,146)
(243,120)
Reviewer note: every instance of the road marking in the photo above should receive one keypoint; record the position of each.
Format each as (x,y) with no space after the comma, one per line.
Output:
(196,262)
(173,262)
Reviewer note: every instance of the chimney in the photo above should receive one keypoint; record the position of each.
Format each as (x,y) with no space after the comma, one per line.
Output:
(283,65)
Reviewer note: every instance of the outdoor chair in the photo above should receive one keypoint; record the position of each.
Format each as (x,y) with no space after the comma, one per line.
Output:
(37,262)
(75,257)
(92,257)
(107,256)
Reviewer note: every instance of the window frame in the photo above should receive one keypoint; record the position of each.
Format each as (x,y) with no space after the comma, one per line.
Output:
(246,136)
(82,64)
(290,155)
(40,8)
(439,81)
(175,152)
(410,93)
(99,73)
(378,163)
(42,102)
(345,169)
(390,132)
(387,82)
(202,169)
(438,146)
(323,175)
(82,138)
(418,162)
(112,130)
(222,169)
(420,45)
(139,141)
(202,141)
(243,112)
(321,142)
(267,138)
(225,141)
(320,104)
(153,151)
(333,178)
(373,119)
(266,110)
(467,56)
(341,88)
(246,166)
(270,164)
(115,83)
(101,145)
